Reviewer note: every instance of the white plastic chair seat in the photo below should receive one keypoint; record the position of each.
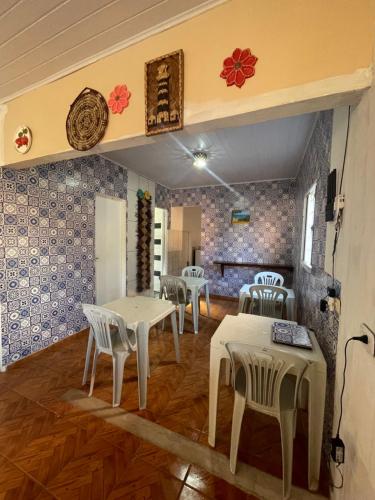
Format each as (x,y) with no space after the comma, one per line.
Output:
(193,271)
(267,300)
(263,382)
(287,388)
(174,288)
(111,338)
(117,341)
(269,278)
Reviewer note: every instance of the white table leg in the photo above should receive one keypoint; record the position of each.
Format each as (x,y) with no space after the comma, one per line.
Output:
(291,310)
(142,362)
(195,299)
(207,298)
(88,354)
(317,392)
(175,336)
(213,395)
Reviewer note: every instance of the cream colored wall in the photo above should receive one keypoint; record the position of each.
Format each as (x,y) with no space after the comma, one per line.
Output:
(177,218)
(355,268)
(192,224)
(297,42)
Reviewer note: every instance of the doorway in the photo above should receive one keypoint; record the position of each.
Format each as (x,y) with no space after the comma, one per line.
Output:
(110,249)
(184,238)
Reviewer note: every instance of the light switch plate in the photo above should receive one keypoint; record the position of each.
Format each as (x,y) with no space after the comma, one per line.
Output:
(366,330)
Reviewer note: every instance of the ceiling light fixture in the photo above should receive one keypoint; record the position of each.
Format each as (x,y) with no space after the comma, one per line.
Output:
(200,159)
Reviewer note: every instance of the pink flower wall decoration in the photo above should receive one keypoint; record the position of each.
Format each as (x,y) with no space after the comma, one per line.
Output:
(238,67)
(119,99)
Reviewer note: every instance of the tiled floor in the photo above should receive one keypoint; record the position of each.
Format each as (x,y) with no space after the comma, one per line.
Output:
(51,449)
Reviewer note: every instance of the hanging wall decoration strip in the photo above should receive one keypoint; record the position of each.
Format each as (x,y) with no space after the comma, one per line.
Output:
(144,229)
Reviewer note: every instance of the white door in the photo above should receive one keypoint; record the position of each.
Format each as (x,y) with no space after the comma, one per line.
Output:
(110,249)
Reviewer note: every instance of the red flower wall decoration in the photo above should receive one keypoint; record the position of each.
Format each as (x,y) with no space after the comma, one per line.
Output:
(238,67)
(119,98)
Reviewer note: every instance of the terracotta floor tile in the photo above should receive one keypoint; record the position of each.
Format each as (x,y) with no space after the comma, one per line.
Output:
(15,485)
(162,459)
(188,493)
(76,455)
(212,486)
(120,438)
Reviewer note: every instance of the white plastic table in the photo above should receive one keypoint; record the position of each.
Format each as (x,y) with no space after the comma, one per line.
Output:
(290,301)
(140,313)
(194,285)
(256,330)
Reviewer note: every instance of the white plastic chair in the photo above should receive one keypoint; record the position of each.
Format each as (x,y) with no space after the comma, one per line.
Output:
(193,271)
(174,289)
(263,382)
(267,300)
(112,338)
(268,278)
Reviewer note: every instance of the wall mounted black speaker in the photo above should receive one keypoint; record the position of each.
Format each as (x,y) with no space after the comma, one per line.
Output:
(331,195)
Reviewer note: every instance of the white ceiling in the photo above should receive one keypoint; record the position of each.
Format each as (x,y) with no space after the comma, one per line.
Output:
(264,151)
(43,39)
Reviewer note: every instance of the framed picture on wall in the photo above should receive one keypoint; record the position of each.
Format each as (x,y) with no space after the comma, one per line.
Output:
(164,85)
(240,216)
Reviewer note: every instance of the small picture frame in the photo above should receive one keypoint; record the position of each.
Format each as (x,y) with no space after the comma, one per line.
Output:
(164,85)
(240,216)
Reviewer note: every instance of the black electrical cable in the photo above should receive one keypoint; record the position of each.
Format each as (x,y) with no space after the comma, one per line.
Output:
(343,383)
(345,150)
(338,222)
(331,483)
(364,339)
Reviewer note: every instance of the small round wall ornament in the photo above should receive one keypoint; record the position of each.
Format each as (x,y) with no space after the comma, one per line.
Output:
(119,99)
(22,139)
(238,67)
(87,120)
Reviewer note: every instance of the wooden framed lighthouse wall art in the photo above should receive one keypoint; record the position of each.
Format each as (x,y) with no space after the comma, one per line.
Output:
(164,88)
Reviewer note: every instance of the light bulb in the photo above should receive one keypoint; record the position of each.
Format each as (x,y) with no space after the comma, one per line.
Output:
(200,159)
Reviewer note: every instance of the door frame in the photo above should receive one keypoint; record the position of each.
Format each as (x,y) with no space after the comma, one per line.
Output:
(123,206)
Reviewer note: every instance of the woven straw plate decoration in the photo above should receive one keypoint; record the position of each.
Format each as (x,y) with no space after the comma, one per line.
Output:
(87,120)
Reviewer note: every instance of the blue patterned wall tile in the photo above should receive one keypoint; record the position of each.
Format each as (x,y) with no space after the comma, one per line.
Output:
(47,249)
(312,286)
(269,238)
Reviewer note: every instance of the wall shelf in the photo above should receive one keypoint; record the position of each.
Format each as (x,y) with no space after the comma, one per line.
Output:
(223,264)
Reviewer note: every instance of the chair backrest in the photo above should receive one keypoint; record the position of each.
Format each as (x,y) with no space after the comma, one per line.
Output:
(268,278)
(173,288)
(270,300)
(264,370)
(101,320)
(193,271)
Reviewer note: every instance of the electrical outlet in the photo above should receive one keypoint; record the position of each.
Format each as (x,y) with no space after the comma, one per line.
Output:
(331,304)
(337,306)
(339,202)
(366,330)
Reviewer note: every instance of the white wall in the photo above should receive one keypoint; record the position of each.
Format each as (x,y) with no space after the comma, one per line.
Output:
(192,224)
(136,182)
(355,268)
(188,219)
